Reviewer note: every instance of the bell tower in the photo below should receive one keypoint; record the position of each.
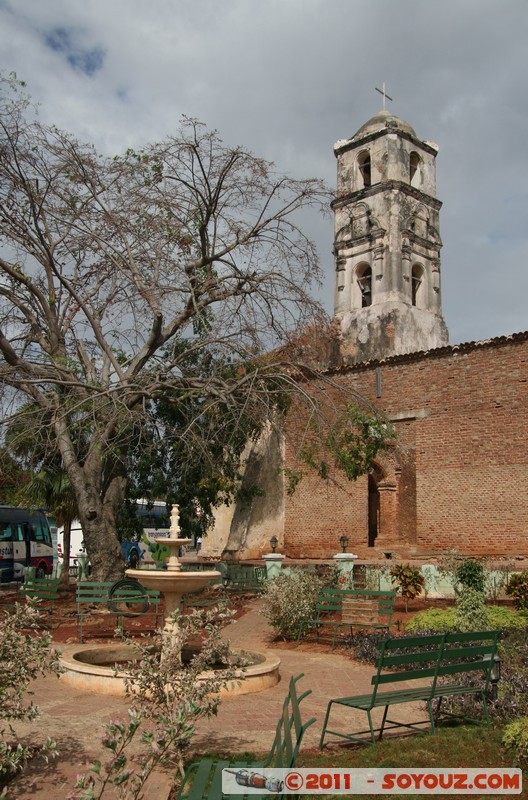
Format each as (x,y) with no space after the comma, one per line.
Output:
(387,242)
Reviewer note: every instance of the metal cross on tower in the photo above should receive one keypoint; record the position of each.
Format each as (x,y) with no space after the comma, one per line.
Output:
(384,93)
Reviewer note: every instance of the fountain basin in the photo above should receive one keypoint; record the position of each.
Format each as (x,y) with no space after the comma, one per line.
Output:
(90,668)
(166,581)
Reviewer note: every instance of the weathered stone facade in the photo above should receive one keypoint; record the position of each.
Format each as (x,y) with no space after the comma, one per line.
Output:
(387,242)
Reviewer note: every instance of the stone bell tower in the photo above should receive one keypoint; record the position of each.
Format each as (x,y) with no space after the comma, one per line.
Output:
(387,242)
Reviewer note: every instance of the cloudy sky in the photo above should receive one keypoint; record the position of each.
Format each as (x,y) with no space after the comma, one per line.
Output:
(288,78)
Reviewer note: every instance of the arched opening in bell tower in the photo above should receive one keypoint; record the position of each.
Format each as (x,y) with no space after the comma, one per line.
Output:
(417,286)
(415,177)
(364,167)
(364,282)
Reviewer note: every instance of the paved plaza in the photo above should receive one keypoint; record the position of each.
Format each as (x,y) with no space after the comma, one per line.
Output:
(243,723)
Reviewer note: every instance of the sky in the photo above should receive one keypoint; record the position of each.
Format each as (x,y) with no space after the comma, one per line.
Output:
(287,79)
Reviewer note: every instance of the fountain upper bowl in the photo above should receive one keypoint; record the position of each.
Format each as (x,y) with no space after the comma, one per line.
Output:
(182,582)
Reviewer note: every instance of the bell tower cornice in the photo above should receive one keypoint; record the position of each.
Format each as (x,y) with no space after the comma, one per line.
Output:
(387,186)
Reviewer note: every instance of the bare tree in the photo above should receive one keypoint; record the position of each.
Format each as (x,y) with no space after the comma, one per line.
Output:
(114,271)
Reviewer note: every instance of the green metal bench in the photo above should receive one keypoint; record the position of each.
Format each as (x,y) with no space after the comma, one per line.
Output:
(43,590)
(350,608)
(244,578)
(121,599)
(440,660)
(203,779)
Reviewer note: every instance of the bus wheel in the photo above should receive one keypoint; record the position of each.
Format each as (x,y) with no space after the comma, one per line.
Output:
(133,559)
(40,572)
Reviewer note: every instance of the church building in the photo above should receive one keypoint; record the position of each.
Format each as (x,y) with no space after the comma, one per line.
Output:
(456,474)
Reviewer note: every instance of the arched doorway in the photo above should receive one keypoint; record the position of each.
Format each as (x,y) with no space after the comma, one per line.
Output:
(373,510)
(383,499)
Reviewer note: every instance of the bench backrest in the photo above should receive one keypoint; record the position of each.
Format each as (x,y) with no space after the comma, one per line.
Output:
(473,651)
(290,729)
(98,591)
(407,658)
(93,591)
(364,606)
(357,605)
(330,600)
(42,588)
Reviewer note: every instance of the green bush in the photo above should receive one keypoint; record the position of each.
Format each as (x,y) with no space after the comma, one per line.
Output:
(470,574)
(515,738)
(471,613)
(443,619)
(439,620)
(409,580)
(517,589)
(291,599)
(25,654)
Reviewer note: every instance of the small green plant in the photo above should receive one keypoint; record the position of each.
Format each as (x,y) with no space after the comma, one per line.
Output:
(470,574)
(515,737)
(448,566)
(25,653)
(291,599)
(517,589)
(471,613)
(409,581)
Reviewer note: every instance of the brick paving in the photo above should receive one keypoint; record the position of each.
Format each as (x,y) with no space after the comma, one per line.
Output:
(243,723)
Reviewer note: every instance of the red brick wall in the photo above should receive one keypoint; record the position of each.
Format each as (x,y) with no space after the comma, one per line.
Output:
(461,415)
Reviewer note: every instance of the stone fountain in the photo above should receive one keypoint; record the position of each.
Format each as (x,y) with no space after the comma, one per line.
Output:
(90,668)
(173,582)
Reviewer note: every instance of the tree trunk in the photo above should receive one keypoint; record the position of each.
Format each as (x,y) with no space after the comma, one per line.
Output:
(66,547)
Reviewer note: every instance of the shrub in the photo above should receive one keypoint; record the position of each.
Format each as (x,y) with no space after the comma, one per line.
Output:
(471,613)
(25,654)
(517,589)
(470,574)
(497,577)
(437,620)
(365,646)
(515,738)
(409,581)
(448,566)
(441,620)
(513,685)
(291,599)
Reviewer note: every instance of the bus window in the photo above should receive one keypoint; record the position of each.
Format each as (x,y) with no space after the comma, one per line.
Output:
(18,532)
(5,532)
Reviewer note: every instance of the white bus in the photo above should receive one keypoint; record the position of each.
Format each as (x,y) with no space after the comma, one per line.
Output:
(25,541)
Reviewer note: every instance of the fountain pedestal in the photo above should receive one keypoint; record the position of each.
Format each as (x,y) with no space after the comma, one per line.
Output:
(173,582)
